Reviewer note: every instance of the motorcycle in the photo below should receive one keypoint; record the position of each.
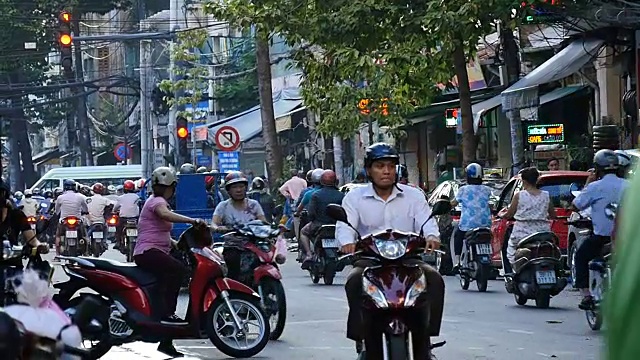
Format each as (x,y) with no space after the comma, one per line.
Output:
(32,220)
(259,270)
(72,243)
(112,226)
(130,230)
(476,259)
(539,272)
(220,309)
(393,290)
(326,262)
(96,234)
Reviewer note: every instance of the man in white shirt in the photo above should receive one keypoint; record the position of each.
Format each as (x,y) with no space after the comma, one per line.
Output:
(128,208)
(380,205)
(70,203)
(97,204)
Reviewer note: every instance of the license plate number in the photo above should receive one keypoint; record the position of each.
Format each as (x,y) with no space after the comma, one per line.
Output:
(132,232)
(97,235)
(546,277)
(112,229)
(483,249)
(330,243)
(71,234)
(429,258)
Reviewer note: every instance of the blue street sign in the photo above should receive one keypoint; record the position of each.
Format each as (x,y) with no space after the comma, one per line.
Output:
(204,160)
(228,161)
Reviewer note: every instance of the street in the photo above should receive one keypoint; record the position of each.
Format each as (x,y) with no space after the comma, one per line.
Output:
(476,325)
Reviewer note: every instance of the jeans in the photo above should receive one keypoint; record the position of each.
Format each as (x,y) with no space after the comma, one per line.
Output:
(169,272)
(458,241)
(590,249)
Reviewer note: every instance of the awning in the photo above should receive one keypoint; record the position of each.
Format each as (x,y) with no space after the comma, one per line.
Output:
(249,123)
(46,155)
(524,93)
(481,108)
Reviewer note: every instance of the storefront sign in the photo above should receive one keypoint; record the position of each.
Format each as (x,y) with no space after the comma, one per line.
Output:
(451,118)
(545,134)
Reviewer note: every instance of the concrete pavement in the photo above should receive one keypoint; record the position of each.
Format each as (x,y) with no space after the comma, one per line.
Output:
(476,325)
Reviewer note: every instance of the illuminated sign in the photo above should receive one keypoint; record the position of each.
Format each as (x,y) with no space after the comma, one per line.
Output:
(451,118)
(545,134)
(363,106)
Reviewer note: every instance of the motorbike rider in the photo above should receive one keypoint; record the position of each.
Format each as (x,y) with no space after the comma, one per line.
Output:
(187,168)
(70,203)
(384,204)
(37,194)
(202,170)
(303,204)
(29,205)
(154,244)
(327,194)
(624,163)
(361,178)
(260,193)
(128,207)
(18,196)
(473,198)
(97,206)
(296,216)
(119,190)
(236,210)
(597,195)
(45,204)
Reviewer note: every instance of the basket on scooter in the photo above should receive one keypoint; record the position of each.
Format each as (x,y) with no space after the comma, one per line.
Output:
(538,245)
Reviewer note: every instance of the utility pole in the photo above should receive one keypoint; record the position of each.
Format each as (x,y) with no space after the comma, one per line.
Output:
(84,135)
(173,112)
(337,159)
(512,72)
(146,134)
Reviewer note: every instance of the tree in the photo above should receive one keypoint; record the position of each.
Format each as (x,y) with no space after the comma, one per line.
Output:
(189,86)
(240,93)
(388,53)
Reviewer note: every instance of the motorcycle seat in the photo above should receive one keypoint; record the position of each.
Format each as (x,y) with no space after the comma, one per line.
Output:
(598,264)
(539,237)
(326,231)
(478,236)
(130,271)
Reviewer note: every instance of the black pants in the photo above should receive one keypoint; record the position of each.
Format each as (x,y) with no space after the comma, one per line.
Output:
(233,256)
(458,241)
(169,272)
(590,249)
(353,288)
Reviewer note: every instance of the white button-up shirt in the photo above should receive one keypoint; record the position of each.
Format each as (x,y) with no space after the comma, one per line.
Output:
(405,210)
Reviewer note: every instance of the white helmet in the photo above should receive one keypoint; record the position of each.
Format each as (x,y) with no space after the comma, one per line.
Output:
(473,171)
(111,188)
(28,192)
(316,175)
(624,159)
(163,176)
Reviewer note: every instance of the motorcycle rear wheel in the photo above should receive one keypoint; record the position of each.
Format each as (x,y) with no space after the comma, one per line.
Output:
(398,347)
(543,298)
(464,281)
(520,299)
(104,344)
(329,273)
(594,319)
(482,277)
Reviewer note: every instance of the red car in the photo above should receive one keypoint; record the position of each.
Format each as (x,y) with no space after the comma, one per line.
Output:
(558,184)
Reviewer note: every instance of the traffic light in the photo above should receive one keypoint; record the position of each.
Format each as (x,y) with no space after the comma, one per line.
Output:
(182,132)
(65,40)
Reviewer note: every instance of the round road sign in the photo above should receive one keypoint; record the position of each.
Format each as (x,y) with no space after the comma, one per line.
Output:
(122,152)
(227,138)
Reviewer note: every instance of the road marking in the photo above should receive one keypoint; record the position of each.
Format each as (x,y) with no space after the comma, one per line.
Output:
(305,322)
(543,354)
(321,348)
(515,331)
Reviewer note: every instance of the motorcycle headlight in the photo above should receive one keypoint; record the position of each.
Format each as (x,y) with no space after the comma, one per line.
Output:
(418,287)
(391,249)
(375,293)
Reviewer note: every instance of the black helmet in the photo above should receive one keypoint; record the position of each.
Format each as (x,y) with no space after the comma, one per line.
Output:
(48,194)
(606,160)
(380,151)
(69,184)
(308,176)
(10,339)
(187,168)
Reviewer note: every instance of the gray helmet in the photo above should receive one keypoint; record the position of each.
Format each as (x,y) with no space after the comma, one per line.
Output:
(201,170)
(187,168)
(606,160)
(316,175)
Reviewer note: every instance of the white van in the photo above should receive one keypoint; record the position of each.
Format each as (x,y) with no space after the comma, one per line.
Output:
(89,175)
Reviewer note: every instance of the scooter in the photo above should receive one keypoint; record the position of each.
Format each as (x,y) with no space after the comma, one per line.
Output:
(259,270)
(326,262)
(220,309)
(394,293)
(73,244)
(476,260)
(538,270)
(130,231)
(96,234)
(112,227)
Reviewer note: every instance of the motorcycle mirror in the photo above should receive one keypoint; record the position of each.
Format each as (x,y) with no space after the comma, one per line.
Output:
(337,213)
(610,211)
(575,187)
(42,226)
(575,193)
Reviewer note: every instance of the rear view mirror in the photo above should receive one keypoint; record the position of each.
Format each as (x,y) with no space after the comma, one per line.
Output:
(42,226)
(441,207)
(575,187)
(337,213)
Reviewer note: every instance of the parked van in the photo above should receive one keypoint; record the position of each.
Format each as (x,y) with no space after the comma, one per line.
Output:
(89,175)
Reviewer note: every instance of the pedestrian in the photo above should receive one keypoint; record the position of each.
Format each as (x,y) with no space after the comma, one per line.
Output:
(292,188)
(553,164)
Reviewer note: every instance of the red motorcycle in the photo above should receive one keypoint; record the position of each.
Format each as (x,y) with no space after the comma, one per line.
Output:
(259,270)
(220,309)
(394,292)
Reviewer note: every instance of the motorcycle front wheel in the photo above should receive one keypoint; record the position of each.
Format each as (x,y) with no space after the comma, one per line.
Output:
(594,319)
(100,343)
(275,303)
(222,332)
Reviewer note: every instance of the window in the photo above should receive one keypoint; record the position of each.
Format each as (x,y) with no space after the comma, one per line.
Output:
(507,194)
(559,190)
(49,185)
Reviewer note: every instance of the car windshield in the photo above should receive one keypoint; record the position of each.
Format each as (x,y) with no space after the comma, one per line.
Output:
(559,189)
(496,187)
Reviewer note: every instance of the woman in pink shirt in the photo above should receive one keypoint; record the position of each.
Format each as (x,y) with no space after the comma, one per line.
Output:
(154,244)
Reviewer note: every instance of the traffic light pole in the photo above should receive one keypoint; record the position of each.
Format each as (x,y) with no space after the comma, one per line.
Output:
(173,111)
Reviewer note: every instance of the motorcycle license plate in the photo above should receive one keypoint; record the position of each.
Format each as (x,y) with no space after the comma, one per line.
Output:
(33,226)
(330,243)
(546,277)
(98,235)
(483,249)
(429,258)
(71,234)
(132,232)
(112,229)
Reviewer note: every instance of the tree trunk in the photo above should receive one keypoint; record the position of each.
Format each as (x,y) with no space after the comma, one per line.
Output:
(469,143)
(512,65)
(24,146)
(84,135)
(15,171)
(272,149)
(337,159)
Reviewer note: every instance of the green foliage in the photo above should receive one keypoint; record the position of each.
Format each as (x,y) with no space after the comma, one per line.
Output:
(400,49)
(190,84)
(238,94)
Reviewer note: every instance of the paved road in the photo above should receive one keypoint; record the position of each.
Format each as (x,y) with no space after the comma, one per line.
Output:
(488,326)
